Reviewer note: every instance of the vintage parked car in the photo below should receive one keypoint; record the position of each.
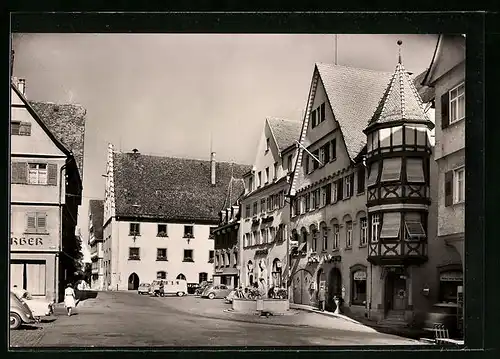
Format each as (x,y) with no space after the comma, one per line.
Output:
(216,291)
(143,288)
(203,286)
(40,307)
(19,312)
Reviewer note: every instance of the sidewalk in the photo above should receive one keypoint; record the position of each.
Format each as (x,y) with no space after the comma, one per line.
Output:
(411,333)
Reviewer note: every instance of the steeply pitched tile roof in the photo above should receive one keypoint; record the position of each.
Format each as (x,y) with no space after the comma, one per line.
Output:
(97,212)
(67,123)
(400,101)
(425,92)
(354,95)
(285,132)
(171,188)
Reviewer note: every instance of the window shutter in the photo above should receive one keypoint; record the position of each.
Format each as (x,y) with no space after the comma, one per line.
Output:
(391,225)
(448,188)
(445,102)
(19,172)
(361,179)
(351,190)
(340,189)
(372,178)
(52,174)
(322,112)
(41,222)
(31,222)
(313,119)
(306,163)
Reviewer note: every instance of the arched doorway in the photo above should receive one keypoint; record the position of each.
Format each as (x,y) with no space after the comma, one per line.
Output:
(181,277)
(334,288)
(133,281)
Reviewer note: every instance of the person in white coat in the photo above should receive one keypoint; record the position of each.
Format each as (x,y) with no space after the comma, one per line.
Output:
(69,298)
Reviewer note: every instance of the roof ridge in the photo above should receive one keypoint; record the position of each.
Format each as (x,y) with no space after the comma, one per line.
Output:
(58,103)
(179,158)
(353,68)
(282,119)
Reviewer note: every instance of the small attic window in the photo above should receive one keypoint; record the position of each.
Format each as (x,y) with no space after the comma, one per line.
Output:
(267,144)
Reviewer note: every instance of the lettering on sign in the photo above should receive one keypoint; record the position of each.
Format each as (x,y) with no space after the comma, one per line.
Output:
(451,277)
(360,275)
(23,241)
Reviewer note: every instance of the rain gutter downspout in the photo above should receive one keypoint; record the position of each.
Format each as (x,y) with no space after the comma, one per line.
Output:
(63,167)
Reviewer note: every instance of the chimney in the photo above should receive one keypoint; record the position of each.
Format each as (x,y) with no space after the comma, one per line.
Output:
(21,85)
(212,167)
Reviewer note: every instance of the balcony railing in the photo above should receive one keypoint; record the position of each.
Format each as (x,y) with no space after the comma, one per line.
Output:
(398,252)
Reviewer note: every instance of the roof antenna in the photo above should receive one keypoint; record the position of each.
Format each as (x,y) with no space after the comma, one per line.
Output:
(399,44)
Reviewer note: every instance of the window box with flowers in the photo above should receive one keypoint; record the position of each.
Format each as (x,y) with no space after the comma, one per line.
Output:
(134,257)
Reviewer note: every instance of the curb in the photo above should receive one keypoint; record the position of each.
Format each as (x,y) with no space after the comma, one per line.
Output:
(328,314)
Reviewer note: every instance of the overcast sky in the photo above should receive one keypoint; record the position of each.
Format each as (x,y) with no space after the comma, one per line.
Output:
(164,94)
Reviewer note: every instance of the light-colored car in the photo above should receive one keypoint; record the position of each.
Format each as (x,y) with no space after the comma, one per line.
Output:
(143,288)
(20,313)
(40,307)
(216,291)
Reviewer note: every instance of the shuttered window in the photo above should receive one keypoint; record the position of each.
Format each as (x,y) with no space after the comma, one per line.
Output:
(361,179)
(334,192)
(19,173)
(391,170)
(334,149)
(390,226)
(414,170)
(36,222)
(372,178)
(448,188)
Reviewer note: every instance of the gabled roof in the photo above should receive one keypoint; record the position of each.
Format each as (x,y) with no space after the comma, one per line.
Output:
(449,52)
(97,211)
(67,123)
(177,189)
(285,132)
(400,102)
(353,95)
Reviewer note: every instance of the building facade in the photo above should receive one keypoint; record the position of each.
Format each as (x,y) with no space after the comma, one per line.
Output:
(159,214)
(329,218)
(46,172)
(348,177)
(226,260)
(446,76)
(96,213)
(266,214)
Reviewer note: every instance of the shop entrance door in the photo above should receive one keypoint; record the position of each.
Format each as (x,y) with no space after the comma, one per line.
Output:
(301,283)
(396,292)
(334,288)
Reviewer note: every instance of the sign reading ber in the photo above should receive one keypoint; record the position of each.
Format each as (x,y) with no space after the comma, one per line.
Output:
(32,243)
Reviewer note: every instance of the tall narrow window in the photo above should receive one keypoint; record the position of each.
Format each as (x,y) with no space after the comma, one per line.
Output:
(267,174)
(361,179)
(324,232)
(363,231)
(250,184)
(275,170)
(259,178)
(334,192)
(314,242)
(334,149)
(262,205)
(336,240)
(459,185)
(317,198)
(348,233)
(315,160)
(290,165)
(375,228)
(254,209)
(457,103)
(267,144)
(313,119)
(323,116)
(347,186)
(307,202)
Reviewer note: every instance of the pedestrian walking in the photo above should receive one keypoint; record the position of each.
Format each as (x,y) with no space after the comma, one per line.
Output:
(69,298)
(322,297)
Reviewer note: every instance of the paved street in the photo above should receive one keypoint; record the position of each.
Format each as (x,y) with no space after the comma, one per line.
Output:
(129,319)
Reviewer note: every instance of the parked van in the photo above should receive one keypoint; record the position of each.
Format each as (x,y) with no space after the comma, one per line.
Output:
(178,287)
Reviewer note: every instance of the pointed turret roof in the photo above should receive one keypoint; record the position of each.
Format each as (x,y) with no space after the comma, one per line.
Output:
(400,102)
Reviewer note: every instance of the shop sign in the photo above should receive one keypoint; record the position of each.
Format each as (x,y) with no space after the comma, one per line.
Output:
(451,276)
(360,275)
(34,242)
